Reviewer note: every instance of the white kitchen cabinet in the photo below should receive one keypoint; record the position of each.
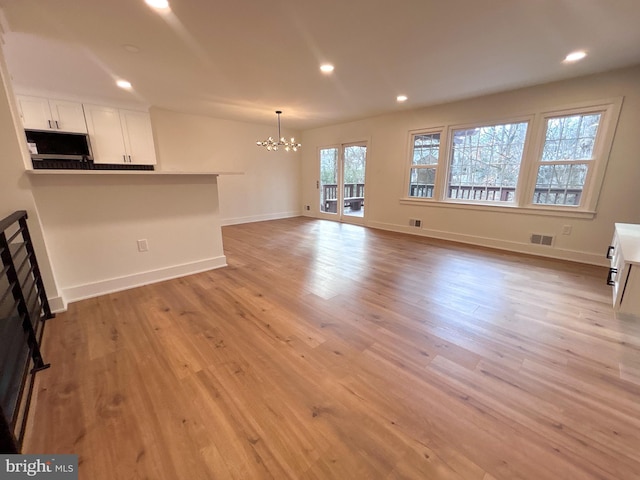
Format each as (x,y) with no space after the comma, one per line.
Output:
(39,113)
(120,136)
(624,274)
(138,137)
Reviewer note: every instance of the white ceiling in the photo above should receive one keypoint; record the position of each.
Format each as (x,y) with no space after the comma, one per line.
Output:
(243,59)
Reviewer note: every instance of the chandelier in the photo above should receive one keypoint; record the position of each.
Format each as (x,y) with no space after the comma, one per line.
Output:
(272,144)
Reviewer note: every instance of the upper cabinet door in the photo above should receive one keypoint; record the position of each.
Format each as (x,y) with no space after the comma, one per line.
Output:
(105,134)
(68,116)
(40,113)
(138,137)
(35,113)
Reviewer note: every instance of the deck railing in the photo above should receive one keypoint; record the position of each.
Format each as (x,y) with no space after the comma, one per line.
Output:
(353,196)
(545,196)
(354,192)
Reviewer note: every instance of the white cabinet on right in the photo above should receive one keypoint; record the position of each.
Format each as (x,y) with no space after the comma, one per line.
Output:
(120,136)
(624,274)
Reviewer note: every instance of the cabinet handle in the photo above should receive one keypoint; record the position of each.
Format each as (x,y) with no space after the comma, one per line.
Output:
(57,126)
(129,158)
(49,122)
(610,280)
(609,251)
(124,158)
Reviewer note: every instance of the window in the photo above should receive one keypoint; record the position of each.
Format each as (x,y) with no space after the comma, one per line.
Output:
(567,154)
(546,161)
(485,162)
(424,163)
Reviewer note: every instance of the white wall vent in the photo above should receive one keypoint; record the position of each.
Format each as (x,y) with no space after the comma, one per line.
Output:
(414,222)
(539,239)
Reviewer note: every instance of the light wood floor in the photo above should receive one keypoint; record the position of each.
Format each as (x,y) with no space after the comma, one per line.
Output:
(331,351)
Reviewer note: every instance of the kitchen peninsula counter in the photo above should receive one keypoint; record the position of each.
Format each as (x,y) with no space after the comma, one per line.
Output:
(45,172)
(110,230)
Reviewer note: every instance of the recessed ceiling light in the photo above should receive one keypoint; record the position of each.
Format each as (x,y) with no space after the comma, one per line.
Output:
(326,68)
(158,4)
(575,56)
(124,84)
(401,98)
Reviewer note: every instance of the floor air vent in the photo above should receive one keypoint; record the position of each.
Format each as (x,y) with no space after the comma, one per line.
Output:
(538,239)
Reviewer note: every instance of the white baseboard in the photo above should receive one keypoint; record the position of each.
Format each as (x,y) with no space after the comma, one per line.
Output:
(259,218)
(518,247)
(103,287)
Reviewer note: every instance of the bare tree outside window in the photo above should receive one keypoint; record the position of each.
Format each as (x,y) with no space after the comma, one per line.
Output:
(426,151)
(566,156)
(560,167)
(485,162)
(328,176)
(354,163)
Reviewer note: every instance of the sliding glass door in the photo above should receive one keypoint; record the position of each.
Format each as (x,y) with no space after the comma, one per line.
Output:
(342,181)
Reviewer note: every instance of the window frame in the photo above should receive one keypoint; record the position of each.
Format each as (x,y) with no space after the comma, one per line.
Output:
(531,160)
(610,112)
(438,166)
(528,119)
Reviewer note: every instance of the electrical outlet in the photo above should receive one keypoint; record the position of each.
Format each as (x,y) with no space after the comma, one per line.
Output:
(143,245)
(566,229)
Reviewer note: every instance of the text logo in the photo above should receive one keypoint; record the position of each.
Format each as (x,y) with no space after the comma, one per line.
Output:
(49,467)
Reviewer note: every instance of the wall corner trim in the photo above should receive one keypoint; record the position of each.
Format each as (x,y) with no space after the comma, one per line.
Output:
(57,304)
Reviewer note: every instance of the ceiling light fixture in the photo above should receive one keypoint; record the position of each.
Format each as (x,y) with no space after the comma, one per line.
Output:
(124,84)
(272,144)
(575,56)
(326,68)
(158,4)
(401,98)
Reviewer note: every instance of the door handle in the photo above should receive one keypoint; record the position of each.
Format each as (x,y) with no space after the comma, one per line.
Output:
(610,280)
(609,251)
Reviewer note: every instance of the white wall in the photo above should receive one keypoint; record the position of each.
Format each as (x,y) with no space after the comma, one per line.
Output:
(270,185)
(15,189)
(388,157)
(93,224)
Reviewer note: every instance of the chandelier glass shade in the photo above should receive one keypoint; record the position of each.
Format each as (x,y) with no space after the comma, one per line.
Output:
(275,144)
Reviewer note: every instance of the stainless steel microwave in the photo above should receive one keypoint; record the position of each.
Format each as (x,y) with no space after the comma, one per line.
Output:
(45,145)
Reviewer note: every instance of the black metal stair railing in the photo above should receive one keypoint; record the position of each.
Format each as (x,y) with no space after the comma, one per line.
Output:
(23,310)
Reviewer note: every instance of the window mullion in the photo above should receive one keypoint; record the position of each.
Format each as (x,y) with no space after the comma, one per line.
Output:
(443,162)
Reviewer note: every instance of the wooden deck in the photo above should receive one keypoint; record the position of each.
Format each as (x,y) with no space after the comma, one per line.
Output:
(332,351)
